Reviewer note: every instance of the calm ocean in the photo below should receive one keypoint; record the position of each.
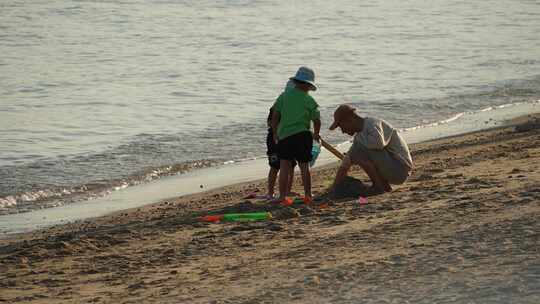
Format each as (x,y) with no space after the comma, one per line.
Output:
(100,95)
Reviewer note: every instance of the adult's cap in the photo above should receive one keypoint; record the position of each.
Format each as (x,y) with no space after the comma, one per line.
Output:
(340,113)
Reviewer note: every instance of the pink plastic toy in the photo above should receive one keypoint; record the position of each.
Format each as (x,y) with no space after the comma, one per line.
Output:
(362,200)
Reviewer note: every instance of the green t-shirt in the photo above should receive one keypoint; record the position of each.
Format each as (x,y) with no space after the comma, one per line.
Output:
(297,110)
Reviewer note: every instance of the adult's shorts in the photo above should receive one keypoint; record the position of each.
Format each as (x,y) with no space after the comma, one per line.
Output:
(390,168)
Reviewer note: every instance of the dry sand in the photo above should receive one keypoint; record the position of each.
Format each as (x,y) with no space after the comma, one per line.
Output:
(463,229)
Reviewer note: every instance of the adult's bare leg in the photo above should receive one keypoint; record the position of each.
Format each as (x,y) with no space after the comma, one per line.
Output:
(379,183)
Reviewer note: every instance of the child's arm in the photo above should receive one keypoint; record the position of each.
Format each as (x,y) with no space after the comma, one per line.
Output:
(316,129)
(315,116)
(274,124)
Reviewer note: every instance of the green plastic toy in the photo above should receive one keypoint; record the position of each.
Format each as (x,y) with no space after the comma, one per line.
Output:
(237,217)
(244,217)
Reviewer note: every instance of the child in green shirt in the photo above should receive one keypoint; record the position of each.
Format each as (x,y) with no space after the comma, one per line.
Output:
(294,110)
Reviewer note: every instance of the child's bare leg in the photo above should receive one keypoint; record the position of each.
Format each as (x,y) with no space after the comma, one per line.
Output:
(291,180)
(272,176)
(284,170)
(306,178)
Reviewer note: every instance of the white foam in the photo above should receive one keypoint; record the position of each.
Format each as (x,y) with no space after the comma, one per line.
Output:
(8,201)
(123,186)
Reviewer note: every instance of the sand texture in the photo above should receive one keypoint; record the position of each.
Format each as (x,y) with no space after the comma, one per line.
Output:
(464,229)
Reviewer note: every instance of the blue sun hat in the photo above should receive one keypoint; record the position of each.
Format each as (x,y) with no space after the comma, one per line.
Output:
(305,74)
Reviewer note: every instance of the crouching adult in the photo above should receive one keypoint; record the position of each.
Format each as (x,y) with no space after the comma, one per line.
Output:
(377,147)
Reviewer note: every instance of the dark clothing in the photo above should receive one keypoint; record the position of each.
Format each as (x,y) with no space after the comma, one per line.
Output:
(271,151)
(296,147)
(269,118)
(271,146)
(273,161)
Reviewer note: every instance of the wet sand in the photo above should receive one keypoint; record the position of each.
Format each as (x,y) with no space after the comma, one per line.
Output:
(463,229)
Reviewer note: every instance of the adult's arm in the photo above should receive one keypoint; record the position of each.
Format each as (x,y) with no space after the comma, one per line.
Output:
(342,171)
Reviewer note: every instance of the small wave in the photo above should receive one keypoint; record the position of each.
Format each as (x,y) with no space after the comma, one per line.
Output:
(433,124)
(123,186)
(459,115)
(6,202)
(241,160)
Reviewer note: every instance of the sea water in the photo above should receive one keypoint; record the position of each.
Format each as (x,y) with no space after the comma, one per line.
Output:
(100,97)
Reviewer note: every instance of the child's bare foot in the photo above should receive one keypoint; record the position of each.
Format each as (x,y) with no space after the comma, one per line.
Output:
(287,201)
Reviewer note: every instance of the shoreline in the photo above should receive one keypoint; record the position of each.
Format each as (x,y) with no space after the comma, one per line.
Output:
(259,185)
(465,221)
(461,123)
(220,176)
(120,202)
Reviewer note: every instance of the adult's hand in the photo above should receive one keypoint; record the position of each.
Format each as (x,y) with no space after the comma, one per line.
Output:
(342,171)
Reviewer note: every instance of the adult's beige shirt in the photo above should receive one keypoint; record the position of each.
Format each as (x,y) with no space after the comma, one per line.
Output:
(377,134)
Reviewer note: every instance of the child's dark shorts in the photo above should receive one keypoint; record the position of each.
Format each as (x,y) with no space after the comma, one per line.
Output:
(271,151)
(273,161)
(296,147)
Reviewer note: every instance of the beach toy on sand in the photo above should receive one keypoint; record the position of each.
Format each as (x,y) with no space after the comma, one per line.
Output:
(297,200)
(211,218)
(362,200)
(315,151)
(305,200)
(242,217)
(237,217)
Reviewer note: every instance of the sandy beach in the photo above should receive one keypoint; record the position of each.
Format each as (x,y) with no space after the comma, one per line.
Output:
(463,229)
